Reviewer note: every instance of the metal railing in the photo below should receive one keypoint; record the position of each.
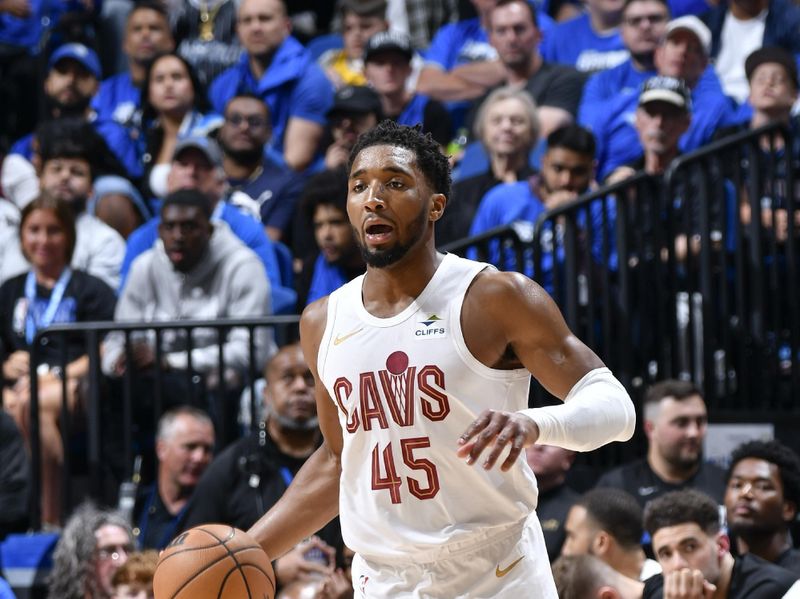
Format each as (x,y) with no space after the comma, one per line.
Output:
(98,395)
(663,277)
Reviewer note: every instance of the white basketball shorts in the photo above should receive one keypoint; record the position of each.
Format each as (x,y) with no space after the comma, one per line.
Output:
(512,565)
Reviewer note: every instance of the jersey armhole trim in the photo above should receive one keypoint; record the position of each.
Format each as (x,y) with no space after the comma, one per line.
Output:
(461,345)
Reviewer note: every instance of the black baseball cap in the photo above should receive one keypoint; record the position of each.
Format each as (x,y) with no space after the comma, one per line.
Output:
(356,98)
(775,55)
(666,89)
(388,41)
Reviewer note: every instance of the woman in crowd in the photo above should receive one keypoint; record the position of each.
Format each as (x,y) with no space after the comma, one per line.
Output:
(508,129)
(173,106)
(49,293)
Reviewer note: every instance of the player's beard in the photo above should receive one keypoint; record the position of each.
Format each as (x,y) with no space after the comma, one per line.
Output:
(383,258)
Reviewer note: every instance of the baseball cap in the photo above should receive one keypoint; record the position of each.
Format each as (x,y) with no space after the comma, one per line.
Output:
(388,41)
(775,55)
(356,98)
(666,89)
(207,146)
(86,56)
(696,26)
(112,184)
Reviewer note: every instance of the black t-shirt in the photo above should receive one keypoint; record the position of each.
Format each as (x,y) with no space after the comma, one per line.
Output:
(789,560)
(638,479)
(552,511)
(86,298)
(243,482)
(155,526)
(752,578)
(463,202)
(555,85)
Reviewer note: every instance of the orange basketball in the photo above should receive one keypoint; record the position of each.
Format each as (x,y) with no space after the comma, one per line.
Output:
(214,561)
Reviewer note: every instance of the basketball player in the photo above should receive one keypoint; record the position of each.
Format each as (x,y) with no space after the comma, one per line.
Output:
(406,356)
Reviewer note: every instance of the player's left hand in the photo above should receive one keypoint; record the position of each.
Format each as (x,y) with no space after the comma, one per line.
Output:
(497,429)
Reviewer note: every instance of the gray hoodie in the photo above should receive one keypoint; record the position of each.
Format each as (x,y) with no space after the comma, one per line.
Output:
(229,282)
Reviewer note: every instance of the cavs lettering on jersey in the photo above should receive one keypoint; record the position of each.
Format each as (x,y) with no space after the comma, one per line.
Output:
(406,387)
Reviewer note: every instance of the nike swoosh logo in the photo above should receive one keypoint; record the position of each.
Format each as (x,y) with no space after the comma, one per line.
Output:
(502,572)
(342,338)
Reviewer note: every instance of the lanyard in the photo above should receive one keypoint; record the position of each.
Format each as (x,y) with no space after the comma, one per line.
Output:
(31,326)
(169,531)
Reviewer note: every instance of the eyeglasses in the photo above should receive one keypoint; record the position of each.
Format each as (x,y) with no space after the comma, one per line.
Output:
(113,552)
(651,19)
(254,122)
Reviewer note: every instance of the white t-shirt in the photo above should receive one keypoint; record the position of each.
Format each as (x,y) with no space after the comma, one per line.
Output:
(739,39)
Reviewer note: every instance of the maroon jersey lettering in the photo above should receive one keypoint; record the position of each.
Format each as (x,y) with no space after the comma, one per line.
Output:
(371,407)
(399,391)
(435,405)
(344,387)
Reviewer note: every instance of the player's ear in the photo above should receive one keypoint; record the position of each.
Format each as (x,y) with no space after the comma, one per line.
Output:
(438,203)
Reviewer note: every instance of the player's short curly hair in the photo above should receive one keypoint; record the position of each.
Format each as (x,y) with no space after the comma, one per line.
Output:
(682,507)
(777,453)
(430,159)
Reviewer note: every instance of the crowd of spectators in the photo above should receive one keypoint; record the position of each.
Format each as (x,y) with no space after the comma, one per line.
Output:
(165,160)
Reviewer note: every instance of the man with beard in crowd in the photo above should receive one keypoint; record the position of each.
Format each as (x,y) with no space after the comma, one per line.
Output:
(761,500)
(250,170)
(675,421)
(251,475)
(73,74)
(147,34)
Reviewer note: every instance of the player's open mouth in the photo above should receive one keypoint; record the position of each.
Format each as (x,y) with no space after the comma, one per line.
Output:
(378,232)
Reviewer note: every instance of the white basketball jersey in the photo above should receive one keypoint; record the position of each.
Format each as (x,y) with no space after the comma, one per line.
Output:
(406,388)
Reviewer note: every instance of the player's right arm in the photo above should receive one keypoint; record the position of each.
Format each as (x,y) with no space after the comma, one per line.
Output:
(312,500)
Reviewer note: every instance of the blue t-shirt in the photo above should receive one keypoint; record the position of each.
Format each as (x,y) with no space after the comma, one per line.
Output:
(679,8)
(465,42)
(617,138)
(246,228)
(414,112)
(603,88)
(293,86)
(502,205)
(509,202)
(460,43)
(326,279)
(276,190)
(575,43)
(117,99)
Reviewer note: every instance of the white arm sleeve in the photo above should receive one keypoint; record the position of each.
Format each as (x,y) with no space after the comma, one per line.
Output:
(596,411)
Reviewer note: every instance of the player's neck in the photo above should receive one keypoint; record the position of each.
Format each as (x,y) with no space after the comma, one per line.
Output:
(390,290)
(669,472)
(294,443)
(766,546)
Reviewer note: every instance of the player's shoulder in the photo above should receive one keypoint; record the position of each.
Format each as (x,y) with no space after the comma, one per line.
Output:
(314,317)
(497,287)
